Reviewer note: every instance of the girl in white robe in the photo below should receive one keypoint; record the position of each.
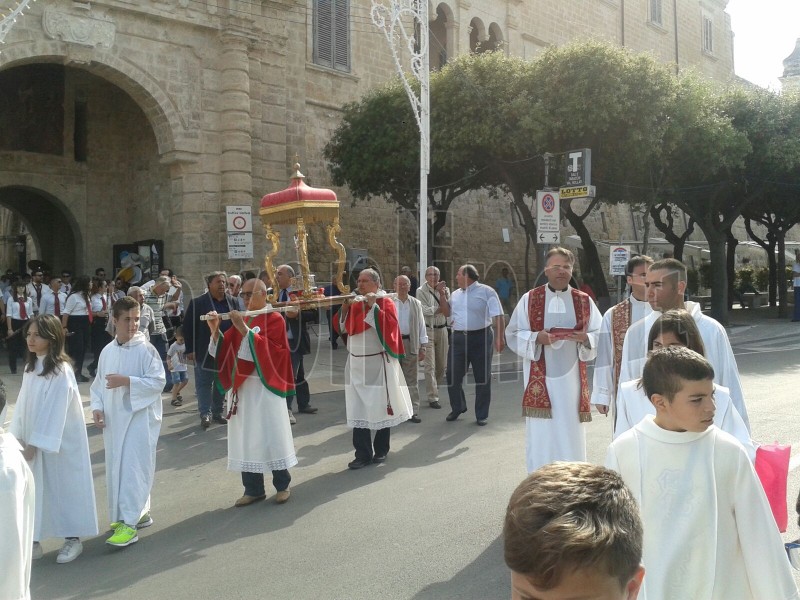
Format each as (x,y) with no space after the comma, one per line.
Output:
(678,328)
(126,405)
(49,423)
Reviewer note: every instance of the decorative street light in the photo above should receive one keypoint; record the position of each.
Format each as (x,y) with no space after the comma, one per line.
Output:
(8,16)
(405,25)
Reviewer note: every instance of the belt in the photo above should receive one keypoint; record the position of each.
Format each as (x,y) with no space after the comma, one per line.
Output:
(470,331)
(439,326)
(406,337)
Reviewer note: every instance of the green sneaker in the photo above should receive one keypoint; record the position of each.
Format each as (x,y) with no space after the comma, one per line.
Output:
(123,536)
(143,523)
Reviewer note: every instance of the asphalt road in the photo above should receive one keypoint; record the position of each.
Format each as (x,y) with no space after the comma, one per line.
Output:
(424,525)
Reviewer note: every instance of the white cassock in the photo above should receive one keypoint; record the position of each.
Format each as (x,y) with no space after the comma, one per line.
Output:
(17,509)
(563,436)
(633,406)
(370,375)
(718,352)
(259,434)
(709,533)
(49,415)
(133,422)
(603,379)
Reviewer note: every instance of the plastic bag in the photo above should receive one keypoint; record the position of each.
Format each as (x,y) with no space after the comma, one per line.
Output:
(772,468)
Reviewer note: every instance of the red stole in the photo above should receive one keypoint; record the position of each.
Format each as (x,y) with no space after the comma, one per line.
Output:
(620,322)
(536,399)
(386,325)
(270,349)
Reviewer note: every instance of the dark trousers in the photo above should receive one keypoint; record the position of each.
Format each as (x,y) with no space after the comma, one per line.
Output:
(473,348)
(365,448)
(796,316)
(78,326)
(300,383)
(160,344)
(99,338)
(254,482)
(16,344)
(209,398)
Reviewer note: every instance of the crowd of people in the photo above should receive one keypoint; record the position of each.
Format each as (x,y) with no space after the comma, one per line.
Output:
(664,372)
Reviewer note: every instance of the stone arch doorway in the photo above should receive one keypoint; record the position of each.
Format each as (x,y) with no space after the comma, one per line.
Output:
(49,231)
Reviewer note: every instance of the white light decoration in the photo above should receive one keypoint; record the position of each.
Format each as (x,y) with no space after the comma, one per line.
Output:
(7,20)
(395,19)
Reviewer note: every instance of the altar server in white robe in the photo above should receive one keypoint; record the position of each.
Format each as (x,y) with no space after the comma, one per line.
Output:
(677,328)
(616,323)
(375,391)
(666,283)
(554,329)
(49,423)
(126,405)
(709,533)
(17,508)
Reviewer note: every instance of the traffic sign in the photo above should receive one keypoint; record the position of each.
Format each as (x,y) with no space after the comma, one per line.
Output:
(548,212)
(578,191)
(239,218)
(240,246)
(549,238)
(578,167)
(618,260)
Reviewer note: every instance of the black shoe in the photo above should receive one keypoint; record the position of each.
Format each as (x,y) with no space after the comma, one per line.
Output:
(219,419)
(92,373)
(379,458)
(78,378)
(482,422)
(359,463)
(334,346)
(415,419)
(455,414)
(309,410)
(434,404)
(205,421)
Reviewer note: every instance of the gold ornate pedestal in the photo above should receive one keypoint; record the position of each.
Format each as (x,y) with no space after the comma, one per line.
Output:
(302,205)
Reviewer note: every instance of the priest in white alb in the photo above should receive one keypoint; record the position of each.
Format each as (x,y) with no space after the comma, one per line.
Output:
(666,282)
(615,325)
(554,329)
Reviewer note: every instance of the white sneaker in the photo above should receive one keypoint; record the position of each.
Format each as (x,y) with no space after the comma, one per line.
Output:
(292,418)
(37,551)
(69,551)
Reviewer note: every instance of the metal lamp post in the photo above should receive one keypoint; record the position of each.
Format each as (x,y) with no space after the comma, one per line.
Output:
(395,19)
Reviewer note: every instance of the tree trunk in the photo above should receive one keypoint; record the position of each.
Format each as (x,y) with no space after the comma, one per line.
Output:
(668,229)
(781,274)
(719,275)
(590,251)
(772,261)
(731,266)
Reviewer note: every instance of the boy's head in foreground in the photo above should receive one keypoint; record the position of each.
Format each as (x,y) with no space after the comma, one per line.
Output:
(572,530)
(680,384)
(126,313)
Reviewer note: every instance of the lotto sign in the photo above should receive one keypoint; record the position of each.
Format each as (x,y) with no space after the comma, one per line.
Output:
(239,218)
(619,257)
(548,217)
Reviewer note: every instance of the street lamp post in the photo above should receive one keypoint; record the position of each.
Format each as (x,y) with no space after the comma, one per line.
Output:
(7,20)
(395,19)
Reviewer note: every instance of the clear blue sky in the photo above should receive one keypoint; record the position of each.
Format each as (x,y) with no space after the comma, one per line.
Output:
(765,33)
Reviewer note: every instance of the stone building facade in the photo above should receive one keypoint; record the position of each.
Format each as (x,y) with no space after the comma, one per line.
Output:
(125,120)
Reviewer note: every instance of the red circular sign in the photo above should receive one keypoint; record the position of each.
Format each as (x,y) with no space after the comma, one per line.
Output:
(548,203)
(239,222)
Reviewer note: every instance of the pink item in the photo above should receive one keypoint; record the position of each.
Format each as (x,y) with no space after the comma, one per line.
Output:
(772,468)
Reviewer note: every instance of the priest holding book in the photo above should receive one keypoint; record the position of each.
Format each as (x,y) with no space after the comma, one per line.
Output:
(554,329)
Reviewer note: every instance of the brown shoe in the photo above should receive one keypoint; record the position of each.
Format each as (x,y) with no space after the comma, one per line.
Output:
(248,500)
(282,496)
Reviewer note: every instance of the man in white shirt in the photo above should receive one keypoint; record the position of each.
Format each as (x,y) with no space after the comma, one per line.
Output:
(36,289)
(53,302)
(414,336)
(234,286)
(615,325)
(433,293)
(474,308)
(796,285)
(666,282)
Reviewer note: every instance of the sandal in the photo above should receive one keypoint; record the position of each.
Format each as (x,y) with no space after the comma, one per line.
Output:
(177,401)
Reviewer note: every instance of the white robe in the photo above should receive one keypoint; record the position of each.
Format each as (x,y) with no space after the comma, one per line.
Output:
(718,352)
(133,422)
(17,509)
(709,533)
(372,380)
(633,406)
(562,437)
(603,383)
(49,415)
(259,434)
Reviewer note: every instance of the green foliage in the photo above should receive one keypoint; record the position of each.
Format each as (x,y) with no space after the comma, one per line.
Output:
(761,277)
(705,272)
(744,277)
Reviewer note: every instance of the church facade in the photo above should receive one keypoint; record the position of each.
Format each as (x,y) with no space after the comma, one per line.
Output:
(130,120)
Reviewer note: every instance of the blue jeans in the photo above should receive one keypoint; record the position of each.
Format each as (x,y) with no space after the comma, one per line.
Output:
(254,482)
(160,344)
(209,400)
(796,316)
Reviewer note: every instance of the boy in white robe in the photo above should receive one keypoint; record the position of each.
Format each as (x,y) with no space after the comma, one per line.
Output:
(126,405)
(572,530)
(49,423)
(709,531)
(17,508)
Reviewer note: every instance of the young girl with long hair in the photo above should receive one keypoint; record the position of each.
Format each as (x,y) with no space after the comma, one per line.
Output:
(49,424)
(18,311)
(76,317)
(678,328)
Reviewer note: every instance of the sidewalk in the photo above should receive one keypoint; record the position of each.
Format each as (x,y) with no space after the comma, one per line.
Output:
(325,367)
